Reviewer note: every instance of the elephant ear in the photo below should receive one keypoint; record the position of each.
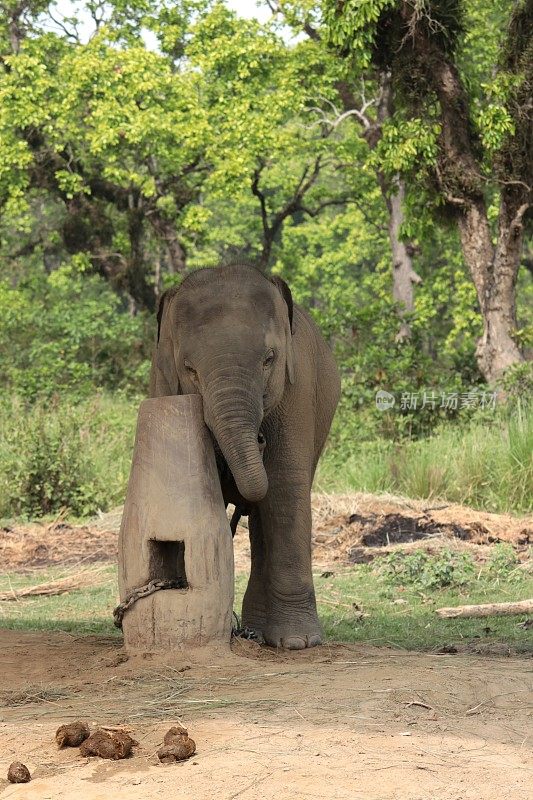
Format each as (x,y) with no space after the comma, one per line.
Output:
(163,376)
(285,292)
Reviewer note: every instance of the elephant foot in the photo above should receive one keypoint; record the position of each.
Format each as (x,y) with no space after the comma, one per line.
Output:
(292,637)
(299,643)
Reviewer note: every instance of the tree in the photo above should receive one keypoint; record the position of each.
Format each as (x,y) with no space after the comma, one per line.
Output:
(264,135)
(116,133)
(131,141)
(465,139)
(367,102)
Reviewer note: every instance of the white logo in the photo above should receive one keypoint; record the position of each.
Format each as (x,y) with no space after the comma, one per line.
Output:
(384,400)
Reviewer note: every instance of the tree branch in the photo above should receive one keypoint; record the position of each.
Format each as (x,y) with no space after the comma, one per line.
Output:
(262,201)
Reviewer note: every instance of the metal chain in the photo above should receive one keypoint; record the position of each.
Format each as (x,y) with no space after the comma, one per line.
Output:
(156,586)
(144,591)
(237,632)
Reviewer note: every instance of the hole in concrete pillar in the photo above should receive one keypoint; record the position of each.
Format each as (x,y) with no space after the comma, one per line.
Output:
(167,561)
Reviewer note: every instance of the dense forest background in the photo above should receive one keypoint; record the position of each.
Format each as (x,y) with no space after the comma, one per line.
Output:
(376,154)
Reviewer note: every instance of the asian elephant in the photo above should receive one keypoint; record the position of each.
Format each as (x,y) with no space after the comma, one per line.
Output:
(270,387)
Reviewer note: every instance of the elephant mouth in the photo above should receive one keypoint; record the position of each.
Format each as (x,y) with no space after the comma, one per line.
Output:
(262,442)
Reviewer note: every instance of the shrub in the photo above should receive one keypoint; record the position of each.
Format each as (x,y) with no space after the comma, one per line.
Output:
(68,332)
(63,454)
(426,572)
(503,561)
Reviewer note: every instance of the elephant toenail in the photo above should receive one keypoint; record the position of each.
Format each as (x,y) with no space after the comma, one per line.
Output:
(293,643)
(313,641)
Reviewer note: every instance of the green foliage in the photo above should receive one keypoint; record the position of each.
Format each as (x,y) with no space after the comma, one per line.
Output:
(517,382)
(58,455)
(352,26)
(68,332)
(425,572)
(53,472)
(489,45)
(503,563)
(337,267)
(406,145)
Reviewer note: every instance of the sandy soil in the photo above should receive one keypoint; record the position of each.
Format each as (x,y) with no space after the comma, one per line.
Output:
(335,722)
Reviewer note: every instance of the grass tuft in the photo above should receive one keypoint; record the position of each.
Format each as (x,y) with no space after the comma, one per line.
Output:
(488,465)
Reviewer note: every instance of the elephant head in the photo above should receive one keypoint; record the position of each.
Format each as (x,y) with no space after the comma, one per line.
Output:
(226,333)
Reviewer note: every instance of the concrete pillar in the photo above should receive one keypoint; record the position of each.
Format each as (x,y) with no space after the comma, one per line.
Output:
(174,526)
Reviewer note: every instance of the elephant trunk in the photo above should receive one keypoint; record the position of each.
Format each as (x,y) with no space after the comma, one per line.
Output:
(234,413)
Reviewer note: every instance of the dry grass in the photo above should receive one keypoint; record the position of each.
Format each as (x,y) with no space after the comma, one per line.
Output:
(327,505)
(160,693)
(34,695)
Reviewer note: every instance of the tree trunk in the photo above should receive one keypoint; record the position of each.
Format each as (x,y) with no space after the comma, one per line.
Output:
(266,251)
(158,276)
(403,275)
(393,192)
(494,271)
(459,175)
(166,230)
(136,284)
(16,28)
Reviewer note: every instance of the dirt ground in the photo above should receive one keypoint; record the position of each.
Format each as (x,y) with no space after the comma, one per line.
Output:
(335,722)
(339,721)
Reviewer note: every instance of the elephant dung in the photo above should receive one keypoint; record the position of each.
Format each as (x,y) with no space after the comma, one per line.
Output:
(18,773)
(108,744)
(175,731)
(178,746)
(72,735)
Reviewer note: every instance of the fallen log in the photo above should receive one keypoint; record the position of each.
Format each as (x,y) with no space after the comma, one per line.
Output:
(71,583)
(488,609)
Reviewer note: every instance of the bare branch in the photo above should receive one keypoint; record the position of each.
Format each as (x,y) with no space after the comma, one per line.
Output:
(71,34)
(314,212)
(275,9)
(516,222)
(355,112)
(382,229)
(261,197)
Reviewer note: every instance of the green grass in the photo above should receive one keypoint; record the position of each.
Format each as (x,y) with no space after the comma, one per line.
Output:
(487,464)
(82,612)
(410,623)
(76,455)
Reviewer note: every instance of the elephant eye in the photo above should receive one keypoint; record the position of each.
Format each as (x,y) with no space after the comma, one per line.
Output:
(190,369)
(269,358)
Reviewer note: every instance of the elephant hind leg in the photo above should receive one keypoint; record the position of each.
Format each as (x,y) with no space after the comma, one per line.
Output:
(254,601)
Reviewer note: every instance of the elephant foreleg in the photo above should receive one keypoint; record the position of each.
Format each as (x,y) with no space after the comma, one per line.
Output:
(292,620)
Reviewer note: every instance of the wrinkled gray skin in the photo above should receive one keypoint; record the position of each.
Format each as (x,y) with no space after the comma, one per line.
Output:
(263,370)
